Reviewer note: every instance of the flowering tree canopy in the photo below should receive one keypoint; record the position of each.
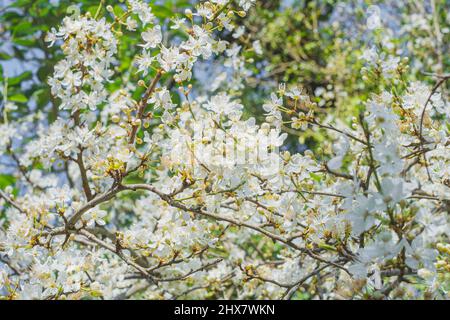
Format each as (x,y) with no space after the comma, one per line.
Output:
(225,149)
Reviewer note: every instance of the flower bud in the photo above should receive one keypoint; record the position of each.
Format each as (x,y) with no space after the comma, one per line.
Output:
(242,14)
(115,118)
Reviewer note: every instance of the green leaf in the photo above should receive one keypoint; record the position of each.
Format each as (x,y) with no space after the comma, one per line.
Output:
(6,180)
(21,3)
(42,97)
(23,28)
(118,10)
(92,10)
(24,76)
(24,42)
(96,294)
(5,56)
(315,176)
(161,11)
(327,247)
(18,98)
